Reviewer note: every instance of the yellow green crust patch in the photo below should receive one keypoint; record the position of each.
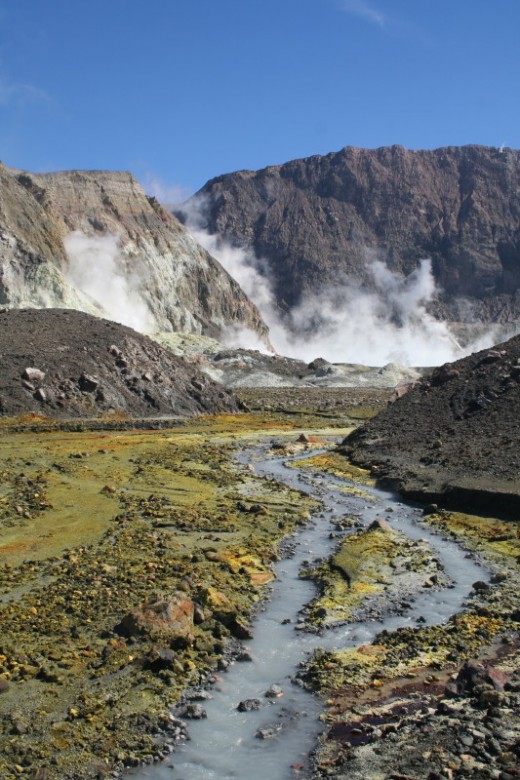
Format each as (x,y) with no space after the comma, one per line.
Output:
(92,525)
(492,536)
(371,567)
(338,465)
(403,653)
(492,611)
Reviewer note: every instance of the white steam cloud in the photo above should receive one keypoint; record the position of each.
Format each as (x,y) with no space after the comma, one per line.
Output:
(99,269)
(389,323)
(168,194)
(347,323)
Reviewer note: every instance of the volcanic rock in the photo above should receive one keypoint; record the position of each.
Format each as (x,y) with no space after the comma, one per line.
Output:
(249,705)
(173,281)
(318,221)
(170,619)
(454,438)
(79,360)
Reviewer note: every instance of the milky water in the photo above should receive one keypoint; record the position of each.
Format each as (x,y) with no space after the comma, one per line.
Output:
(225,745)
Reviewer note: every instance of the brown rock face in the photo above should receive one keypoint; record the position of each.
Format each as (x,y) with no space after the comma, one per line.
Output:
(64,363)
(176,281)
(319,219)
(168,619)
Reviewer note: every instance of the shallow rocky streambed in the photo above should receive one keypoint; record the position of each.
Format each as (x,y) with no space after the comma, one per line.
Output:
(256,719)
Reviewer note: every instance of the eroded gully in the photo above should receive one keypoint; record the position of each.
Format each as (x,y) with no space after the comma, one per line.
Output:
(226,744)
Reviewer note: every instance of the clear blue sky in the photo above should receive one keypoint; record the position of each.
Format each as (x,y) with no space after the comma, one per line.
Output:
(184,91)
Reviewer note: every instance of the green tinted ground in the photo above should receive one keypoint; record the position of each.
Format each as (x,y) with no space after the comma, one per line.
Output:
(94,523)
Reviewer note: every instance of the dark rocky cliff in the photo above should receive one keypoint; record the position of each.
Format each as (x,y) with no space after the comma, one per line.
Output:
(315,219)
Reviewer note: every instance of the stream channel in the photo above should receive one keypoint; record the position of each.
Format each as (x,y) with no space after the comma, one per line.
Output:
(224,745)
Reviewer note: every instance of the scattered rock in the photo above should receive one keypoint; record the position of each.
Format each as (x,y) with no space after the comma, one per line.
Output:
(192,711)
(33,375)
(160,658)
(274,692)
(85,376)
(170,619)
(249,705)
(267,733)
(88,383)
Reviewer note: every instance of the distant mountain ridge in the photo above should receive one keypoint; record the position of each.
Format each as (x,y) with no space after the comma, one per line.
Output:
(158,265)
(318,219)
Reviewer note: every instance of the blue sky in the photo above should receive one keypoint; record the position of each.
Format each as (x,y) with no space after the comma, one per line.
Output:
(179,92)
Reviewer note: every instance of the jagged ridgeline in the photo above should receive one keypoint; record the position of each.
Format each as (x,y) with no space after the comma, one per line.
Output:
(318,221)
(93,241)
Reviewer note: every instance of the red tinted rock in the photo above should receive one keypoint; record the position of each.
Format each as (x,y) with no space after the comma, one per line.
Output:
(170,619)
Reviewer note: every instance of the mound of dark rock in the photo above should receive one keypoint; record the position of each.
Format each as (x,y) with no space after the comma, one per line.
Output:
(454,436)
(63,363)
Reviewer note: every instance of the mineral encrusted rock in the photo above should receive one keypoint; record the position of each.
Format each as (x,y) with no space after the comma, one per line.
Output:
(169,619)
(178,284)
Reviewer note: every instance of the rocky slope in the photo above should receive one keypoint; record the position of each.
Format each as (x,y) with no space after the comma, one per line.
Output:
(64,363)
(320,220)
(453,437)
(92,240)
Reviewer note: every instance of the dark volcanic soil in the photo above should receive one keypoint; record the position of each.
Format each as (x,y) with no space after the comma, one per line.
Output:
(454,436)
(87,367)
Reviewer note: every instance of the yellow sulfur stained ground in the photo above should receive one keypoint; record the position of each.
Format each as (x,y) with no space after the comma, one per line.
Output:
(93,524)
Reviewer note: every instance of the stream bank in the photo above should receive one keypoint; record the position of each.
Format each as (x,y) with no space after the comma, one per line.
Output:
(225,744)
(93,523)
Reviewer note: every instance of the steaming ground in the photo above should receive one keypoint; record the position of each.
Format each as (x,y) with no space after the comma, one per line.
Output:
(97,268)
(347,324)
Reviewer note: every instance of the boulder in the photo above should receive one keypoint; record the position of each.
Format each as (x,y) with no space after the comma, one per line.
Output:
(33,375)
(274,692)
(216,604)
(88,383)
(380,525)
(249,705)
(169,619)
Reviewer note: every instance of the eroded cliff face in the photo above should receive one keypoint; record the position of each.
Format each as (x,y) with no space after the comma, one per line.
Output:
(320,219)
(167,273)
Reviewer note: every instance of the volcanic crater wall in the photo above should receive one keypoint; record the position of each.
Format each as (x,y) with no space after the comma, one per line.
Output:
(180,285)
(318,220)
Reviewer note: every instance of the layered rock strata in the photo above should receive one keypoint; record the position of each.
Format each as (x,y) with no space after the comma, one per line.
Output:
(319,221)
(155,265)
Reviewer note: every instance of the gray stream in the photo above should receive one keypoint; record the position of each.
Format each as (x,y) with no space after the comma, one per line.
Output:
(224,745)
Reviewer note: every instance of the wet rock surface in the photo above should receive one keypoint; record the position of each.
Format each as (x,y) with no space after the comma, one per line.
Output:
(78,698)
(373,573)
(467,726)
(438,702)
(166,516)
